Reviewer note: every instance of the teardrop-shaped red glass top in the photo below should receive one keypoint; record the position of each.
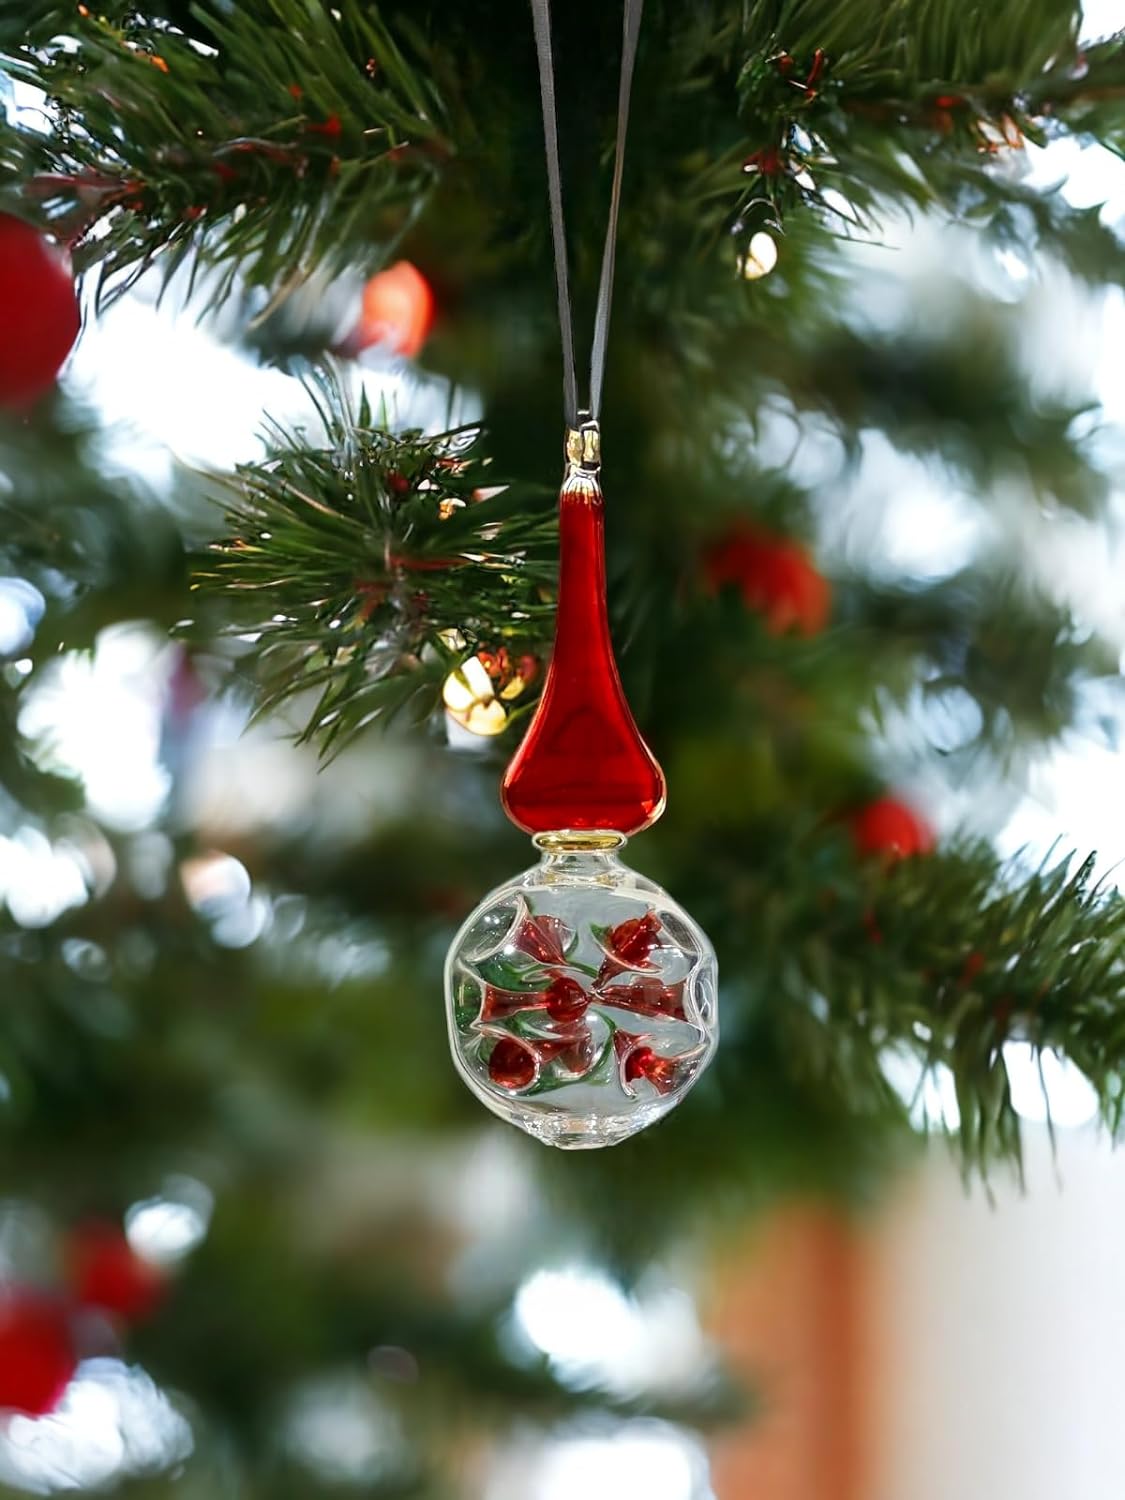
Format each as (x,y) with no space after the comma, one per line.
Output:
(583,763)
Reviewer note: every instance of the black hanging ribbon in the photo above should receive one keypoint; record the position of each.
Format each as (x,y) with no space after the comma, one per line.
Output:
(541,15)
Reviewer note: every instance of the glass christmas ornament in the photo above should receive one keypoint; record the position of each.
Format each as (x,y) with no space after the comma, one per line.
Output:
(581,998)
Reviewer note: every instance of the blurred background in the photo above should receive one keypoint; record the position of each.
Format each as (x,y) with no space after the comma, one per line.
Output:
(865,568)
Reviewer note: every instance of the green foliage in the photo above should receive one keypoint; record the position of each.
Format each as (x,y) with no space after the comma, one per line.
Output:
(97,551)
(356,568)
(368,567)
(293,136)
(908,102)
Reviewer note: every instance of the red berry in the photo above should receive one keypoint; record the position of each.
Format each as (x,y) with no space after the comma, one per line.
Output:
(511,1065)
(39,318)
(775,575)
(107,1273)
(972,966)
(331,126)
(37,1356)
(891,828)
(566,999)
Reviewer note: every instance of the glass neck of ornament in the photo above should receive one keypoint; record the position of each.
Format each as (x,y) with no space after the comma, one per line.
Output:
(584,855)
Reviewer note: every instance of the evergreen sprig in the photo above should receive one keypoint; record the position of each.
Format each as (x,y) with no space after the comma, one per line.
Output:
(855,108)
(955,961)
(295,136)
(369,565)
(840,967)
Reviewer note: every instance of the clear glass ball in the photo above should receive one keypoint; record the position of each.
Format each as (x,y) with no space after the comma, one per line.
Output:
(581,998)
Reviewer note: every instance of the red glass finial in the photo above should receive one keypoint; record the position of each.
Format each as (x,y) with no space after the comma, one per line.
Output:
(583,763)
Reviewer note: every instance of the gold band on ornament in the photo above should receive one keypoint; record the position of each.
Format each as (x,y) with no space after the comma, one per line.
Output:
(568,840)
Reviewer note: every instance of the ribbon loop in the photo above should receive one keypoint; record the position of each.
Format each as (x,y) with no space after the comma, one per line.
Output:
(541,17)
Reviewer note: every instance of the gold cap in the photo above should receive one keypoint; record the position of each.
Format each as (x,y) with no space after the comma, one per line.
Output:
(584,445)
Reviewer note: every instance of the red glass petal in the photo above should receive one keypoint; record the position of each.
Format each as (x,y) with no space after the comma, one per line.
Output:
(544,938)
(643,1063)
(575,1054)
(583,763)
(498,1004)
(647,997)
(628,946)
(512,1065)
(635,939)
(564,1000)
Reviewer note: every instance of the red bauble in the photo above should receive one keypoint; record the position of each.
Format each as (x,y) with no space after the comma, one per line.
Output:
(775,576)
(892,829)
(39,318)
(583,763)
(37,1356)
(398,310)
(107,1273)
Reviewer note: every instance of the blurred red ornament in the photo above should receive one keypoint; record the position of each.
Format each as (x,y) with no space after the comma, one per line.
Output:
(39,317)
(891,828)
(775,576)
(37,1356)
(107,1273)
(398,310)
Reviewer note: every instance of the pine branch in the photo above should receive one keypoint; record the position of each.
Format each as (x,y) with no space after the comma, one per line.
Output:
(298,136)
(99,549)
(915,103)
(994,957)
(957,393)
(1023,660)
(372,565)
(97,552)
(945,958)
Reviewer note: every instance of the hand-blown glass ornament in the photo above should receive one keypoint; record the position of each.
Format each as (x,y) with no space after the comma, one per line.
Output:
(581,998)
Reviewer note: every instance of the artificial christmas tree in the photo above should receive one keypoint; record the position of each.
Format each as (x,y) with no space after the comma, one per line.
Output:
(220,993)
